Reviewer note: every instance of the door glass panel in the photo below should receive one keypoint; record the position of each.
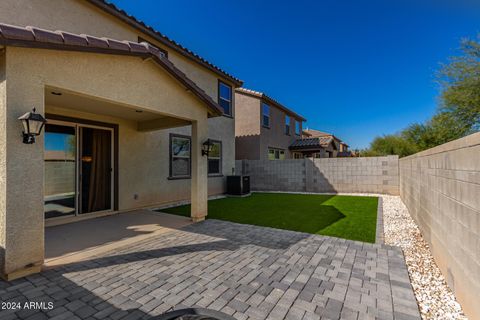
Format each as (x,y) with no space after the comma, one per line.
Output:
(60,170)
(96,169)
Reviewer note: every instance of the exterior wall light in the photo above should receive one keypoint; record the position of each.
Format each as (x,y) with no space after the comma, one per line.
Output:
(32,126)
(207,147)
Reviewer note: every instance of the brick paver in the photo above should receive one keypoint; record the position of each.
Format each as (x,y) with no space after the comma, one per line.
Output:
(246,271)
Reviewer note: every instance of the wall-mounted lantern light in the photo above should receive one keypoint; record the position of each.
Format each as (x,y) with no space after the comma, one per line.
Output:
(32,126)
(207,147)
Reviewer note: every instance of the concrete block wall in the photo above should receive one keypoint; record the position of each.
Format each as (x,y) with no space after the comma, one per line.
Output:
(369,175)
(441,188)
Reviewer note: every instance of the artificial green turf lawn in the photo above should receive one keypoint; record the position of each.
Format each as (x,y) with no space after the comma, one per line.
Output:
(349,217)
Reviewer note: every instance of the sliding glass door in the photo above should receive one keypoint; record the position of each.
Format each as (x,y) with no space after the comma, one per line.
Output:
(78,169)
(60,170)
(96,169)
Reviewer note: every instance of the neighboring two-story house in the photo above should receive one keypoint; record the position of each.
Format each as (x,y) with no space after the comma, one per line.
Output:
(128,112)
(264,128)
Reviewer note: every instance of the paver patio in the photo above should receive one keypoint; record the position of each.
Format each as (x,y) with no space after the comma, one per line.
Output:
(247,271)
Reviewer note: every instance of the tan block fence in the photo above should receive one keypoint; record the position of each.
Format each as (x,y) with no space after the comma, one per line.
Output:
(366,175)
(441,189)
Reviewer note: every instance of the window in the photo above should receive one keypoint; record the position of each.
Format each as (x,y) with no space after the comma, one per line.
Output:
(297,155)
(276,154)
(287,125)
(180,148)
(215,159)
(265,115)
(164,52)
(225,97)
(298,128)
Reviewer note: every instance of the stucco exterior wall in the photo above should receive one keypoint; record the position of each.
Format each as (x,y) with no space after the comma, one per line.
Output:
(253,139)
(441,189)
(274,136)
(3,157)
(79,16)
(126,81)
(144,163)
(373,174)
(247,127)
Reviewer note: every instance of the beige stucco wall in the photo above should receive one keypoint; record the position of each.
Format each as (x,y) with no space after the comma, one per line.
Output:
(441,189)
(247,127)
(126,81)
(79,16)
(3,156)
(252,139)
(274,136)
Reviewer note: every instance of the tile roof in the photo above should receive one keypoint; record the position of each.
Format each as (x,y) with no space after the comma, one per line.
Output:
(143,27)
(315,133)
(60,40)
(269,99)
(309,143)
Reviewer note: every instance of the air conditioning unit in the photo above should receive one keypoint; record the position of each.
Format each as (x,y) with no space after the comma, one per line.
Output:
(238,185)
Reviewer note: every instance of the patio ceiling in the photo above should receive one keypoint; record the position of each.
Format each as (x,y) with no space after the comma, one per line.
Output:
(146,120)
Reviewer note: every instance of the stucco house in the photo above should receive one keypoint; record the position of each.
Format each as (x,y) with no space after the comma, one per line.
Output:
(129,112)
(264,128)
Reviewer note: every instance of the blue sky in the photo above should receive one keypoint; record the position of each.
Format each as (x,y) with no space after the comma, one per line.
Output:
(355,68)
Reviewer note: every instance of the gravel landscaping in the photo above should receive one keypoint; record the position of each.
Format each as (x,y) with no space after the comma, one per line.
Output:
(435,299)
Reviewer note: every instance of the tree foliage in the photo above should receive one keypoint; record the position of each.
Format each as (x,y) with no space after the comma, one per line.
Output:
(458,113)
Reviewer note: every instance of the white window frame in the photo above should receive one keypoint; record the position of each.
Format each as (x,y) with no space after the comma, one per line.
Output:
(219,158)
(189,157)
(277,154)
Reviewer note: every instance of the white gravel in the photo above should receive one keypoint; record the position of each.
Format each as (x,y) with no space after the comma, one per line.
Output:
(434,297)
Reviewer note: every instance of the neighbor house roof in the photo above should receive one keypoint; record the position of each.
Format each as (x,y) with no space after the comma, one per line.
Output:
(311,143)
(141,26)
(270,100)
(315,133)
(33,37)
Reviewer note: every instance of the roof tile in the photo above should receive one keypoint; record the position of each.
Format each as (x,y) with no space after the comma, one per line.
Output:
(137,47)
(43,35)
(117,45)
(74,39)
(96,42)
(320,142)
(15,33)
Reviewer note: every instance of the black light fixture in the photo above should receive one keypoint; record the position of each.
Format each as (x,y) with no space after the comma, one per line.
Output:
(32,126)
(207,147)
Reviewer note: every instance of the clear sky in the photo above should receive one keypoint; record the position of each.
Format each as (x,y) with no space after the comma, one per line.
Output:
(356,68)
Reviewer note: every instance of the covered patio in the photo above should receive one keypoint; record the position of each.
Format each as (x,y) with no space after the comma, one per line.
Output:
(80,81)
(69,243)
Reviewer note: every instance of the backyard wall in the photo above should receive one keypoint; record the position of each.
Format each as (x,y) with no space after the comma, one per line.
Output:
(369,175)
(441,188)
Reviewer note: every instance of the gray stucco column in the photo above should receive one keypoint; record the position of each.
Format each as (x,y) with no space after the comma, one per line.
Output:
(21,177)
(199,186)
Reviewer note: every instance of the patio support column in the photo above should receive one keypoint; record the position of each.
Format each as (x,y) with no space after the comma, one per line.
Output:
(199,188)
(21,175)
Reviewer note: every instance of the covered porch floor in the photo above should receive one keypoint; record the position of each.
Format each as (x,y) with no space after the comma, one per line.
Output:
(79,241)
